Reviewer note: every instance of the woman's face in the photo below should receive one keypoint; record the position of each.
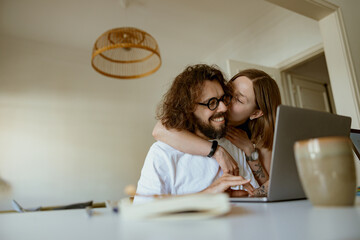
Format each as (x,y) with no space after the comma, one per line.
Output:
(243,104)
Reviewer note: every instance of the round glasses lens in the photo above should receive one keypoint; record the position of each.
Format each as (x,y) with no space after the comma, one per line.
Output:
(227,99)
(213,103)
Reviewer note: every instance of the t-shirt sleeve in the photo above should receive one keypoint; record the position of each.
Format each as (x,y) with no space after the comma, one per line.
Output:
(154,175)
(239,156)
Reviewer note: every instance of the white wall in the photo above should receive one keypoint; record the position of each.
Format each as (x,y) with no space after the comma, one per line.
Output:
(277,36)
(68,134)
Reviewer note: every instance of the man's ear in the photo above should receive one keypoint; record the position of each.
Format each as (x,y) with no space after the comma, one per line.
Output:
(256,114)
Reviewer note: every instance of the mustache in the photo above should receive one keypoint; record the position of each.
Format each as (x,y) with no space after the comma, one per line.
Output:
(219,115)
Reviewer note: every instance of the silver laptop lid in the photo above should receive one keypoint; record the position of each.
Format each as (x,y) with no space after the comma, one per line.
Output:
(355,138)
(293,124)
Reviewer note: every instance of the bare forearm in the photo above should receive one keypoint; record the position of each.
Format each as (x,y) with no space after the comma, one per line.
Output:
(259,172)
(182,140)
(262,191)
(188,142)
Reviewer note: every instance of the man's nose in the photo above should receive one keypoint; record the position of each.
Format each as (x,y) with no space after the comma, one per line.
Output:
(222,107)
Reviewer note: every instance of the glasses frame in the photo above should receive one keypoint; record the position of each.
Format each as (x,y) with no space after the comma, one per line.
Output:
(218,100)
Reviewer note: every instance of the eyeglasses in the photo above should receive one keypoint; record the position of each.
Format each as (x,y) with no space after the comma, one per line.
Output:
(214,102)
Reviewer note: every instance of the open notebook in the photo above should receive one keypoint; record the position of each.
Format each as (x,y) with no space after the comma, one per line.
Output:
(293,124)
(181,207)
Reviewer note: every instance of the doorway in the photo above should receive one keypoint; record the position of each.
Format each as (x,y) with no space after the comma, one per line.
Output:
(307,84)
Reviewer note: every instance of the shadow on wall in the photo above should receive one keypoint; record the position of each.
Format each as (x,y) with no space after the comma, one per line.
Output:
(5,187)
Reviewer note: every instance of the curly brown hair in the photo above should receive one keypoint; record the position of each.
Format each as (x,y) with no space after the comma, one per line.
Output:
(267,98)
(179,103)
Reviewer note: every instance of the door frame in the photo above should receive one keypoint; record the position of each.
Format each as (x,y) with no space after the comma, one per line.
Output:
(337,52)
(294,61)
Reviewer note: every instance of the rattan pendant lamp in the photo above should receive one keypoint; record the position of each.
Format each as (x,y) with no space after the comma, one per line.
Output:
(126,53)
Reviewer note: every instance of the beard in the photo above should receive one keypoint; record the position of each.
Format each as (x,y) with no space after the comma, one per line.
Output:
(210,131)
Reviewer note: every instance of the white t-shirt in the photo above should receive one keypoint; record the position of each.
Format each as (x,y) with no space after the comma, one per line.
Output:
(169,171)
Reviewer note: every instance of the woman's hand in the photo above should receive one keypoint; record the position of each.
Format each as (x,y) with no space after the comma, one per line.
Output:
(227,163)
(226,181)
(240,139)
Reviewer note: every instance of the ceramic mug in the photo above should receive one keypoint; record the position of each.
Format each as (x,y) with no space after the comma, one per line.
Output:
(327,170)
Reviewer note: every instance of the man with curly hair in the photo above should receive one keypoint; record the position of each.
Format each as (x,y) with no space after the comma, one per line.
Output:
(196,101)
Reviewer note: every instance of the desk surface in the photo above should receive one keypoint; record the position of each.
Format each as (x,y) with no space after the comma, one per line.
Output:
(282,220)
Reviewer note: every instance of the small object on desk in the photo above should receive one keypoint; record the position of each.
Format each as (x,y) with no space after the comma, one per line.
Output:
(70,206)
(113,205)
(89,211)
(17,207)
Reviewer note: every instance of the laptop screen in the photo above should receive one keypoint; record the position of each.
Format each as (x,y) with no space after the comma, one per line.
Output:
(355,138)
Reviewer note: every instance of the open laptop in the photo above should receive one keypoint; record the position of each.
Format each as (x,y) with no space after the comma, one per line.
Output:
(293,124)
(355,138)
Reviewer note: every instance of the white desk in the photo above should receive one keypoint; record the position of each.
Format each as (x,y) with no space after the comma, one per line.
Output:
(283,220)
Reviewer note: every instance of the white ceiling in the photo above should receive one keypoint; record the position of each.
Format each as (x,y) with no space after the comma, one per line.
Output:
(185,29)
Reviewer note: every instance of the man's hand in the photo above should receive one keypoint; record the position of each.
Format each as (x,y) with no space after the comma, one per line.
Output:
(237,193)
(227,163)
(240,139)
(226,181)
